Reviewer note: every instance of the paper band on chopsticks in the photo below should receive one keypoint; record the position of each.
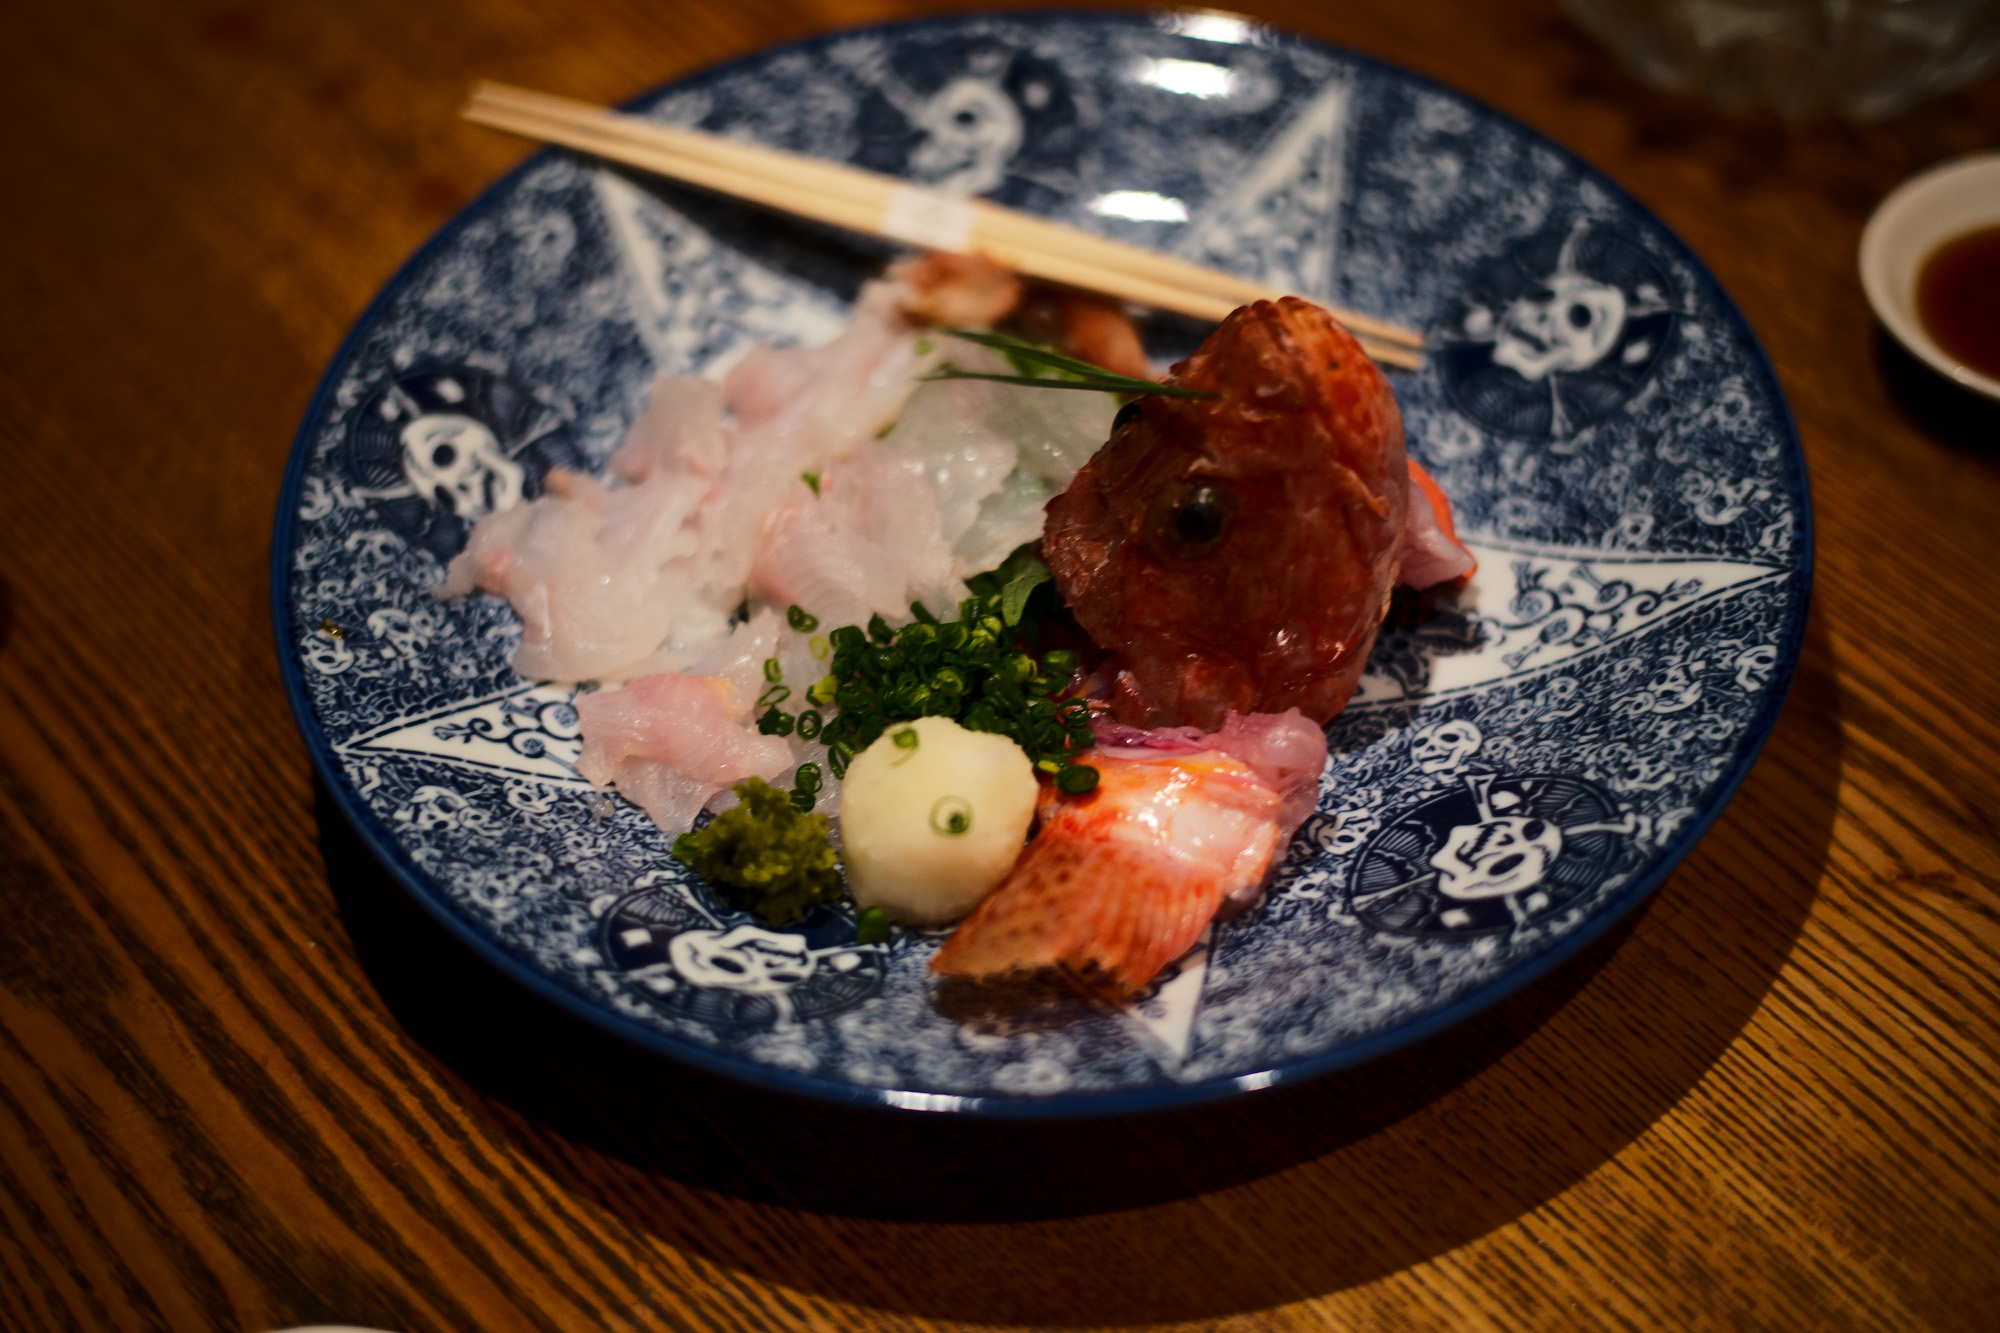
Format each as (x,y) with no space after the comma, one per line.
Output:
(928,220)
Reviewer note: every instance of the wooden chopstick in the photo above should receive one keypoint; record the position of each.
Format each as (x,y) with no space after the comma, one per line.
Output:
(879,205)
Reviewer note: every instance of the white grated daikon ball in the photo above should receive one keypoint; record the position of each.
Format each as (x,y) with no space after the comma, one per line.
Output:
(932,818)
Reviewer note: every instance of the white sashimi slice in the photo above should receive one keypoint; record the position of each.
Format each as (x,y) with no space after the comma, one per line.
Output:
(616,580)
(1053,430)
(900,507)
(1010,517)
(587,568)
(671,741)
(671,800)
(947,433)
(805,559)
(803,658)
(682,427)
(994,453)
(838,394)
(1056,430)
(868,543)
(738,661)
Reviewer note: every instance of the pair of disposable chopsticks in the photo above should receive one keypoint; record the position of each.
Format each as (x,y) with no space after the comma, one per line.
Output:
(878,205)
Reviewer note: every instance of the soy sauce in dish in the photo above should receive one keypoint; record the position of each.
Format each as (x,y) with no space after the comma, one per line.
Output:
(1958,299)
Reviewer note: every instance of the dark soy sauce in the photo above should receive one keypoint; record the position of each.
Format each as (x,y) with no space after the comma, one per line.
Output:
(1958,299)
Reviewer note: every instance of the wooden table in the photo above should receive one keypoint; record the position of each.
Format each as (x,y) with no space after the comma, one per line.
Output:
(244,1083)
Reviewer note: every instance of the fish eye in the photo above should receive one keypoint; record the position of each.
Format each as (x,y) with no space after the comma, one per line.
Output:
(1199,521)
(1192,522)
(1126,415)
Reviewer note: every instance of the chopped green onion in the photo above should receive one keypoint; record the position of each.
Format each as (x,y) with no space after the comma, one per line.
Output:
(974,669)
(772,671)
(801,620)
(774,694)
(811,479)
(775,723)
(818,647)
(952,815)
(1077,779)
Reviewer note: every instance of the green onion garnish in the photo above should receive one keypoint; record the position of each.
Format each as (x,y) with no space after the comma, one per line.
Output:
(1071,373)
(1077,779)
(977,669)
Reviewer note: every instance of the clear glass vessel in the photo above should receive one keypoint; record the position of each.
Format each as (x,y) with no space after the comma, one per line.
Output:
(1866,59)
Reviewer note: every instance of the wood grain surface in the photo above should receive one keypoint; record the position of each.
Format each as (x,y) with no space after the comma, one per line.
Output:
(244,1083)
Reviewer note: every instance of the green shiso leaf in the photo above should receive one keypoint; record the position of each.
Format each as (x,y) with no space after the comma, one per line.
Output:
(1014,597)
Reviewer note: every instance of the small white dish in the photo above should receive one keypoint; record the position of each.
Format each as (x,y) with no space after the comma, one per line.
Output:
(1923,213)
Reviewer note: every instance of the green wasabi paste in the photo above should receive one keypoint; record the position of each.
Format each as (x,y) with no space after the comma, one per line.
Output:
(764,855)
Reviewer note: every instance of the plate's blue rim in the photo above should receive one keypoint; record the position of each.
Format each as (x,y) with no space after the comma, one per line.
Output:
(1067,1105)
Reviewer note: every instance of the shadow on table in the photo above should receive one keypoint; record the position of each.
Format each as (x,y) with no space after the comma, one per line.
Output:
(1182,1215)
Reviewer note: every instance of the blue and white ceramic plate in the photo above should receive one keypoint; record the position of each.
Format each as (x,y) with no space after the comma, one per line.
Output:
(1517,770)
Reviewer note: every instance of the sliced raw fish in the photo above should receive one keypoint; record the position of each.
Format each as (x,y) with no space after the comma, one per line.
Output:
(989,449)
(613,580)
(868,542)
(1122,880)
(595,574)
(671,741)
(1010,517)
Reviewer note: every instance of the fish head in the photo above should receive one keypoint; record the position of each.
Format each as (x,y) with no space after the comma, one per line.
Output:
(1237,550)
